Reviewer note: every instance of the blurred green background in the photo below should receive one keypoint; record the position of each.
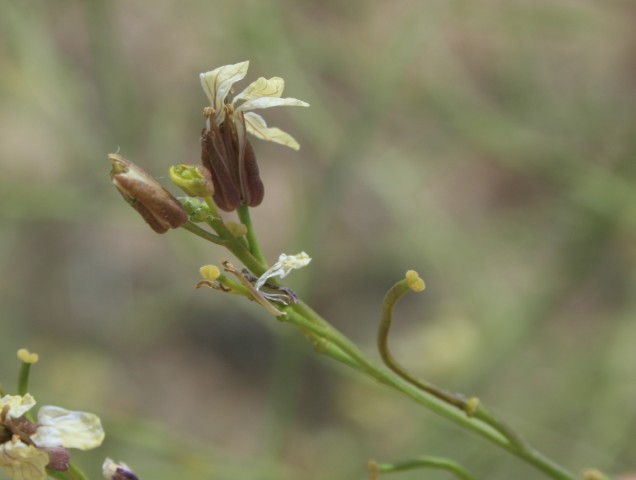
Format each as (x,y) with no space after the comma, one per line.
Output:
(489,145)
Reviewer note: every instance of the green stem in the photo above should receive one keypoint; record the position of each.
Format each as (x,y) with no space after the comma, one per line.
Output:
(255,248)
(73,473)
(23,378)
(422,462)
(391,298)
(395,293)
(204,234)
(333,343)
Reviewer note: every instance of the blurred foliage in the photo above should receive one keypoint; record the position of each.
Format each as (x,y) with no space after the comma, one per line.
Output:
(489,145)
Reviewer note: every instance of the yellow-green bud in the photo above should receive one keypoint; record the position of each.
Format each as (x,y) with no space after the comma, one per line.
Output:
(27,357)
(210,272)
(414,281)
(194,180)
(158,207)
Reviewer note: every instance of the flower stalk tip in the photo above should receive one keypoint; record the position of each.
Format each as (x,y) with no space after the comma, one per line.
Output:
(414,281)
(210,272)
(27,357)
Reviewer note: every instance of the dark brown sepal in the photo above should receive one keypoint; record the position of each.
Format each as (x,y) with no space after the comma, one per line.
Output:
(254,190)
(214,157)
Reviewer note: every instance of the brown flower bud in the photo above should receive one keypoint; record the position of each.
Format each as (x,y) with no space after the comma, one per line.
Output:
(154,203)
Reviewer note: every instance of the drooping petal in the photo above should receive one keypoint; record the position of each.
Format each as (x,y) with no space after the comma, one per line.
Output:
(282,268)
(18,405)
(256,126)
(22,461)
(218,82)
(58,427)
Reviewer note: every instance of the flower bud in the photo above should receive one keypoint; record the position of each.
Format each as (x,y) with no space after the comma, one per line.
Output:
(194,180)
(154,203)
(198,210)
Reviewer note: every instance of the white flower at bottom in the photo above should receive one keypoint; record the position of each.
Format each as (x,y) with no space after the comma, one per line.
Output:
(282,268)
(26,449)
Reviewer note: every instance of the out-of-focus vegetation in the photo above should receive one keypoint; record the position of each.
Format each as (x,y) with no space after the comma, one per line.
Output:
(490,145)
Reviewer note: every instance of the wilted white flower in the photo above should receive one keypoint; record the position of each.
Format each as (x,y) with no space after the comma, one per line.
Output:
(282,268)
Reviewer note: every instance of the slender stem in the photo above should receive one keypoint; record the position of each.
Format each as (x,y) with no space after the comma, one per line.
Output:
(76,473)
(395,293)
(255,248)
(23,378)
(437,463)
(389,378)
(391,298)
(204,234)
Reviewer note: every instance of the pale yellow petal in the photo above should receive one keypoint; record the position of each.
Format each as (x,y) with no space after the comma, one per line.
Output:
(58,427)
(256,126)
(268,102)
(262,87)
(18,405)
(218,82)
(22,461)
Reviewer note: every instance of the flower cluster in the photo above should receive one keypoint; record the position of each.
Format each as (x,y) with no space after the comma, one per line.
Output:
(225,149)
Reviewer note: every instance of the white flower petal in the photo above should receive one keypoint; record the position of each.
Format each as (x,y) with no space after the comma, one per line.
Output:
(282,268)
(256,126)
(262,87)
(22,461)
(268,102)
(218,82)
(58,427)
(18,405)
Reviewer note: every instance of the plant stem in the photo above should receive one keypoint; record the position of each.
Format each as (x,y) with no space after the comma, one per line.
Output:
(331,342)
(255,248)
(422,462)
